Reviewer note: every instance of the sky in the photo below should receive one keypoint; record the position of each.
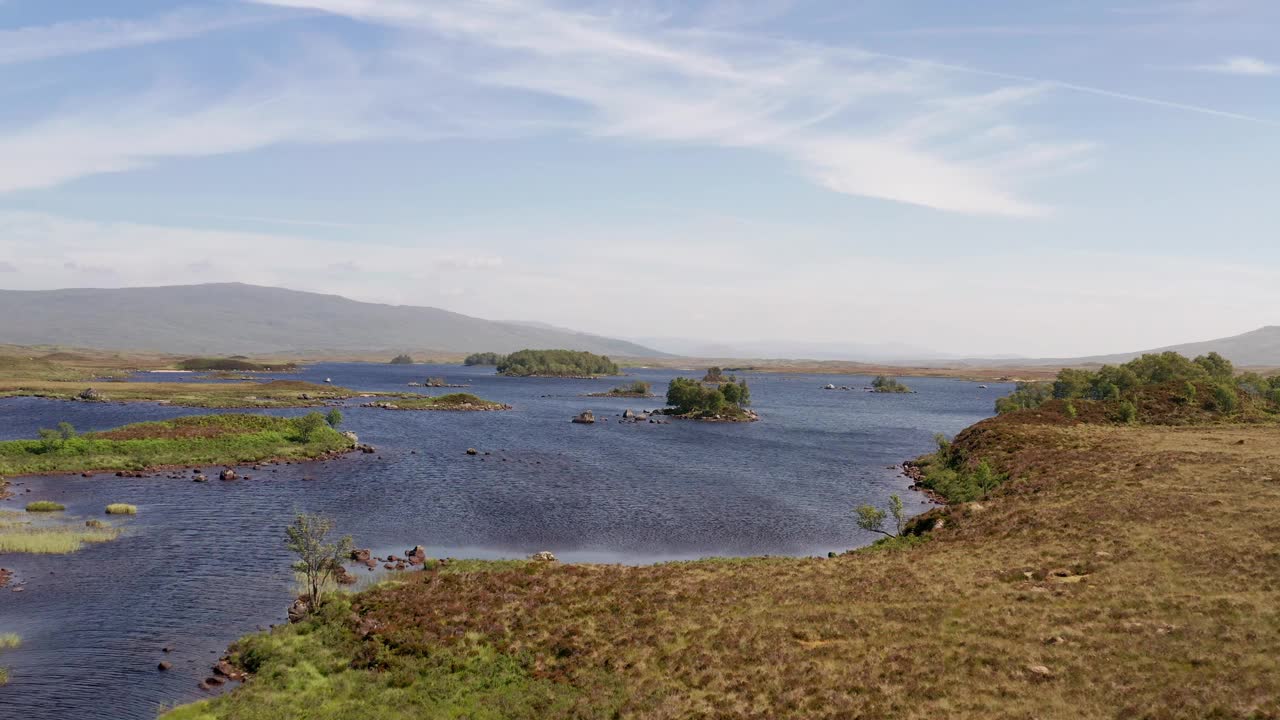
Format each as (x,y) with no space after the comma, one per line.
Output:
(982,178)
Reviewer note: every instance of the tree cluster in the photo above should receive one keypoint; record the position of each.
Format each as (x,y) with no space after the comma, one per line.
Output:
(556,363)
(690,397)
(484,358)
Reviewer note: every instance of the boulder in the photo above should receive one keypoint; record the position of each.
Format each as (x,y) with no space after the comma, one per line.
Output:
(472,451)
(360,555)
(89,394)
(628,415)
(417,555)
(164,665)
(1040,672)
(543,556)
(355,439)
(200,478)
(586,417)
(299,610)
(227,474)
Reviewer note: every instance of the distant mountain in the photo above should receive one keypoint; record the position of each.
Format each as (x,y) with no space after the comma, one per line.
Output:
(234,318)
(1258,348)
(778,349)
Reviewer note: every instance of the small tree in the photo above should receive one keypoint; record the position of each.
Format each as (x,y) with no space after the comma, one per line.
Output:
(714,374)
(50,440)
(308,425)
(334,418)
(66,430)
(872,518)
(318,559)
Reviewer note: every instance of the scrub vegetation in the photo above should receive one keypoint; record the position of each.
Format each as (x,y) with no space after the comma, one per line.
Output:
(886,384)
(637,389)
(556,363)
(196,440)
(452,401)
(693,399)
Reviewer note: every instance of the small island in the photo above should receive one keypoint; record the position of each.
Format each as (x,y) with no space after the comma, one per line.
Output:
(557,363)
(725,402)
(452,401)
(886,384)
(484,358)
(402,360)
(236,363)
(637,389)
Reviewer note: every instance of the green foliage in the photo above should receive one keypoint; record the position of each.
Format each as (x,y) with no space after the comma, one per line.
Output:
(333,418)
(639,387)
(556,363)
(10,640)
(948,473)
(319,560)
(122,509)
(1225,398)
(886,384)
(402,360)
(310,424)
(484,358)
(687,396)
(1069,409)
(1125,412)
(45,506)
(714,375)
(1026,395)
(872,518)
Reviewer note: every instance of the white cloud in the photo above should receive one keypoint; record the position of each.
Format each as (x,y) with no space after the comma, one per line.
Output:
(41,42)
(1242,65)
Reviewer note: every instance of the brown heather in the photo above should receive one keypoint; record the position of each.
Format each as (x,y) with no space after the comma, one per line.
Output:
(1127,572)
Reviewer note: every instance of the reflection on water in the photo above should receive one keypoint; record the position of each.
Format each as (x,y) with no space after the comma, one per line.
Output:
(203,563)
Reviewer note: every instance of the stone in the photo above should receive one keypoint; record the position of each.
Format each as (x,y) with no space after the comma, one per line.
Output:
(299,610)
(200,478)
(164,665)
(586,417)
(472,451)
(227,474)
(355,439)
(543,556)
(1040,671)
(628,415)
(89,394)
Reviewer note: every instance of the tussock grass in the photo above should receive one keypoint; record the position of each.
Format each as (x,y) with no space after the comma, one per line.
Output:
(1137,564)
(4,676)
(45,506)
(10,640)
(452,401)
(196,440)
(122,509)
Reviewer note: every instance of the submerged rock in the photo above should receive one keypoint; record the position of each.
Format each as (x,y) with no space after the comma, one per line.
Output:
(586,417)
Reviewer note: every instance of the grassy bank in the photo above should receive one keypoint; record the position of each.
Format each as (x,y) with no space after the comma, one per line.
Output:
(273,394)
(1118,571)
(452,401)
(197,440)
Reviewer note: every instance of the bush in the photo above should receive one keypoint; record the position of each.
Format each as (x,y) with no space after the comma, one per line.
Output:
(556,363)
(1126,412)
(402,360)
(886,384)
(45,506)
(122,509)
(333,418)
(308,425)
(1225,398)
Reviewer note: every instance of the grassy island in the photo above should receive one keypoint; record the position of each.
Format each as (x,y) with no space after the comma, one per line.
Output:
(452,401)
(197,440)
(1105,570)
(637,389)
(556,363)
(237,364)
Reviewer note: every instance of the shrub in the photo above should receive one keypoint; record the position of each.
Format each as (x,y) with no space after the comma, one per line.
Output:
(333,418)
(318,559)
(872,518)
(1225,399)
(886,384)
(122,509)
(1126,412)
(10,640)
(45,506)
(1069,409)
(308,425)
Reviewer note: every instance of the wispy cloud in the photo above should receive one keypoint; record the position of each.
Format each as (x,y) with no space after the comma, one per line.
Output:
(42,42)
(1241,65)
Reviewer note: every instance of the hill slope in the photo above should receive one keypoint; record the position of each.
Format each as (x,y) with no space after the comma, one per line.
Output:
(228,318)
(1257,348)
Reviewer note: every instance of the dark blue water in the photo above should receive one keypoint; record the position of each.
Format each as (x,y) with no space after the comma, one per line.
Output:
(202,564)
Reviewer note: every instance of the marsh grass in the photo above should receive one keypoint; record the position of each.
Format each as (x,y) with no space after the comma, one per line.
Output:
(52,540)
(45,506)
(10,640)
(122,509)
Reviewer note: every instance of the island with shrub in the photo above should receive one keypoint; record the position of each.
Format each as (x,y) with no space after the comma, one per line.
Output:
(637,389)
(722,401)
(886,384)
(484,358)
(557,364)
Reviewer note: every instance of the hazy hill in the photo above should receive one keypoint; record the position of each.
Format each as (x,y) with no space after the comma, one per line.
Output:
(230,318)
(1258,348)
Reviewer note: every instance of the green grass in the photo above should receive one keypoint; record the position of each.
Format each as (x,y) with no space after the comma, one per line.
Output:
(122,509)
(452,401)
(45,506)
(4,676)
(10,640)
(197,440)
(51,540)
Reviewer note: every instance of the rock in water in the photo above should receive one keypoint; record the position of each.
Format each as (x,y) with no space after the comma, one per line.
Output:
(472,451)
(227,474)
(164,665)
(200,478)
(628,415)
(586,417)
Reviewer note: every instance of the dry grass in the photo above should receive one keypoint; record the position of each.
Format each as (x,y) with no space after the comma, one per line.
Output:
(1139,566)
(122,509)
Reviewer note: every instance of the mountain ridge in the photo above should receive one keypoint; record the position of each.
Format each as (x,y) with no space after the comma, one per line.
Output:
(239,318)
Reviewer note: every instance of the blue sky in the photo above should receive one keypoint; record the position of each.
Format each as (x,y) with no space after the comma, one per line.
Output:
(977,178)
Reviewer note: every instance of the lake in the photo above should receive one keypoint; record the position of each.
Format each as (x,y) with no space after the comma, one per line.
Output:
(203,564)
